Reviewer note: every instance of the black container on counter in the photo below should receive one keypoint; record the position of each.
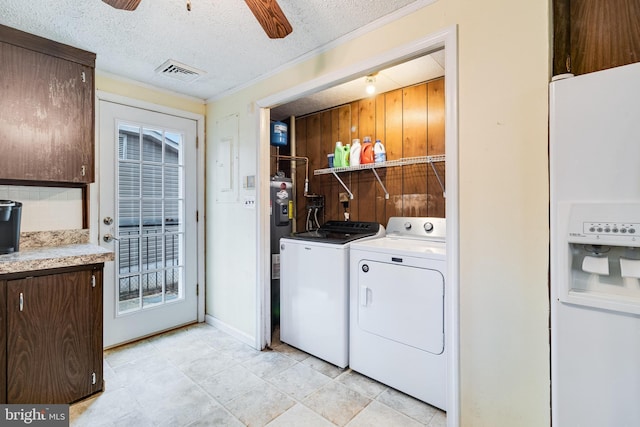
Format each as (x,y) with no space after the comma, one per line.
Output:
(10,213)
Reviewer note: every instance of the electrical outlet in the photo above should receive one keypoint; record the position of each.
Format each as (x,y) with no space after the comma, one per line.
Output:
(343,197)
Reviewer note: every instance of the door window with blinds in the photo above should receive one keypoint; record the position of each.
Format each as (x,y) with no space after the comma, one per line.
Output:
(150,205)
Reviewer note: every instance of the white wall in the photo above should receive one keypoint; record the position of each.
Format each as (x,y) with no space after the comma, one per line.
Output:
(120,86)
(231,227)
(503,75)
(46,208)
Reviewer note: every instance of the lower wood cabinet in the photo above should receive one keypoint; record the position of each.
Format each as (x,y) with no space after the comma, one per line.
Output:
(53,324)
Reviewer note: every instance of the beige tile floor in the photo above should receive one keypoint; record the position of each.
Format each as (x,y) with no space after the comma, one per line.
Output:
(200,376)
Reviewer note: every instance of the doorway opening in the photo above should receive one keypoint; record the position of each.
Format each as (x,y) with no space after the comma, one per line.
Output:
(445,41)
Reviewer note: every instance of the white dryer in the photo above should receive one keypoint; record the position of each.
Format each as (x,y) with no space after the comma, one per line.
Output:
(397,308)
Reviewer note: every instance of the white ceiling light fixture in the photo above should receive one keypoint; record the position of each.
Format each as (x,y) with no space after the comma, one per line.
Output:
(370,81)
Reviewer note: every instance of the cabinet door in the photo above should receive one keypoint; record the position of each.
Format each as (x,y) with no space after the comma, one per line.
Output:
(592,35)
(46,117)
(50,343)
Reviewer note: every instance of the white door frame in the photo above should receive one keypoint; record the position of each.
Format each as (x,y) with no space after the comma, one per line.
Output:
(94,211)
(447,39)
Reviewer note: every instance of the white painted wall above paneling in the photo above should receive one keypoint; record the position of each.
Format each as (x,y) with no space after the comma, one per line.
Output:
(46,208)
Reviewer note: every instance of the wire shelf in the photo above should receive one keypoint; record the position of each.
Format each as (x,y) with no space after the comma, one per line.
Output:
(391,163)
(387,164)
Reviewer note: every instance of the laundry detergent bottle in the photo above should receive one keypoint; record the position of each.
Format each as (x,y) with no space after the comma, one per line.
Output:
(366,152)
(347,153)
(354,155)
(379,152)
(338,155)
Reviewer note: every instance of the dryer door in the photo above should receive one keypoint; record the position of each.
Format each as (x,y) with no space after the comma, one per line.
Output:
(402,303)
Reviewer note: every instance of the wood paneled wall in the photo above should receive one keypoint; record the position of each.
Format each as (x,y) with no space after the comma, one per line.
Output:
(592,35)
(409,122)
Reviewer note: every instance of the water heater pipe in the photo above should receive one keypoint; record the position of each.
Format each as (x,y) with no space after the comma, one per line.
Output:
(294,187)
(306,164)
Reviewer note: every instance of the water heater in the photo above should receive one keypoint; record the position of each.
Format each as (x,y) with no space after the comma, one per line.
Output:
(281,202)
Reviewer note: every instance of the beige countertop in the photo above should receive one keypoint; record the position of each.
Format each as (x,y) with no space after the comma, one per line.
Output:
(53,249)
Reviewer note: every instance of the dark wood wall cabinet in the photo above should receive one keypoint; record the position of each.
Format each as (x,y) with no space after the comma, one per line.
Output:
(46,111)
(51,343)
(593,35)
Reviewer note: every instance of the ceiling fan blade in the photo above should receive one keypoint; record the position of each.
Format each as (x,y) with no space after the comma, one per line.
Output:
(123,4)
(271,17)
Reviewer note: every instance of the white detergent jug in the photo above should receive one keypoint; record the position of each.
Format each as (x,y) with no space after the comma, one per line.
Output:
(354,157)
(379,153)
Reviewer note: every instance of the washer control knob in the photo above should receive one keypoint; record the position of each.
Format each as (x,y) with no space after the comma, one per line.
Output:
(365,268)
(407,225)
(428,227)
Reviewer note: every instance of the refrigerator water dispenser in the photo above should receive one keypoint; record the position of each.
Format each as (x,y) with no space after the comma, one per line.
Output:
(604,256)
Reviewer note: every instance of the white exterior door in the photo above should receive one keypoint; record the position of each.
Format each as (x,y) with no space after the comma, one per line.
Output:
(148,208)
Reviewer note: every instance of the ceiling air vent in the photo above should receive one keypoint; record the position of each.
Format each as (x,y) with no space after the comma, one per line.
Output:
(179,71)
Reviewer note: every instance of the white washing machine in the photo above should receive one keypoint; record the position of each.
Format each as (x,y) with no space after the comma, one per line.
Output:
(397,308)
(314,288)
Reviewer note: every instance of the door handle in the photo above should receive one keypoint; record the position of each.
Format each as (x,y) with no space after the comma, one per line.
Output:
(364,296)
(21,301)
(109,238)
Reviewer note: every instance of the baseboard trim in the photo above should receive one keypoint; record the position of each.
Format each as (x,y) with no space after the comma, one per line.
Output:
(224,327)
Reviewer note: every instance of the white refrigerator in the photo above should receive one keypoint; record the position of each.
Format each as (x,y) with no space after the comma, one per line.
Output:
(595,248)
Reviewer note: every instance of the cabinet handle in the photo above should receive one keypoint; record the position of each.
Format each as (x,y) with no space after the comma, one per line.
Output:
(21,301)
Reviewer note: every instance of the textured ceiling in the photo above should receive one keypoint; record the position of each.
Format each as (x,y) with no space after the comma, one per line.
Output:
(406,74)
(220,37)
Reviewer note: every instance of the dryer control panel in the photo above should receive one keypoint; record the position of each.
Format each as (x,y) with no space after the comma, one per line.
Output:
(429,228)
